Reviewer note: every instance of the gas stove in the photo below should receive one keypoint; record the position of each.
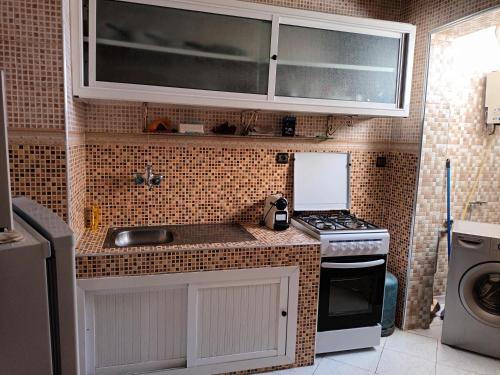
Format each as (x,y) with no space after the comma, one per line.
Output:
(343,234)
(336,222)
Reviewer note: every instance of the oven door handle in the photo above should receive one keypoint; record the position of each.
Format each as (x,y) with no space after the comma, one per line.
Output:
(372,263)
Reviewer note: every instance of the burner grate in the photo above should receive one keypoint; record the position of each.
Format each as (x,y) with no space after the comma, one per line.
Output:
(337,221)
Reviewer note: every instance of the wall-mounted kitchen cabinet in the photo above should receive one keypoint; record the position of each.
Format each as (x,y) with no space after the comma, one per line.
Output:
(242,55)
(191,323)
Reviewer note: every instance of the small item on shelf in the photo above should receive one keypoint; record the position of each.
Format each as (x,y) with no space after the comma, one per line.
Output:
(161,125)
(191,129)
(262,132)
(248,122)
(288,126)
(225,128)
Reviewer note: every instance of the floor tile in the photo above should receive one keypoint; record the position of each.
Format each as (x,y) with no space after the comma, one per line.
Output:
(364,358)
(416,345)
(464,360)
(447,370)
(434,331)
(383,340)
(437,321)
(398,363)
(307,370)
(332,367)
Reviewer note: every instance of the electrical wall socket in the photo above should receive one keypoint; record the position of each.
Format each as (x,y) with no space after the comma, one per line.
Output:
(282,158)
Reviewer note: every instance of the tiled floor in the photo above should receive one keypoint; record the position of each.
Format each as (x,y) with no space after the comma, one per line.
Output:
(417,352)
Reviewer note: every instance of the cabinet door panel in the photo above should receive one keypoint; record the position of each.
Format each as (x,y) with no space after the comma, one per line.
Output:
(161,46)
(140,327)
(238,322)
(337,65)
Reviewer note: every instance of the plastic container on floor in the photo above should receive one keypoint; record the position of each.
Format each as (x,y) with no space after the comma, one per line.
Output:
(390,298)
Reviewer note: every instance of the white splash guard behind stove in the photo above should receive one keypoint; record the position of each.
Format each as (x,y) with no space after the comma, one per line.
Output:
(321,181)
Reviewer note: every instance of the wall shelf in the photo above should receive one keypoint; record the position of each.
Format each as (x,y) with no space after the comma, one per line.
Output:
(323,65)
(224,56)
(175,50)
(239,137)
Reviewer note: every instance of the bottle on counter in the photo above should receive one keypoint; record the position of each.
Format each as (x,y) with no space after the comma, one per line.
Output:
(95,217)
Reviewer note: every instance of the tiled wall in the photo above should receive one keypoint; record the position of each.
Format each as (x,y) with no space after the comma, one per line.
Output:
(399,196)
(77,187)
(209,182)
(453,128)
(31,55)
(39,172)
(75,114)
(428,15)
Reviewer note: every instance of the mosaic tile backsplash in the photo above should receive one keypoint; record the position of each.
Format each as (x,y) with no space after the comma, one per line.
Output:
(206,184)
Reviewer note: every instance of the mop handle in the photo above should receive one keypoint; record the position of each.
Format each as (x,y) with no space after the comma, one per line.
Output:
(448,205)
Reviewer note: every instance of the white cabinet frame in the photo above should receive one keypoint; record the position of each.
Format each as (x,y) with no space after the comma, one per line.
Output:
(287,277)
(277,16)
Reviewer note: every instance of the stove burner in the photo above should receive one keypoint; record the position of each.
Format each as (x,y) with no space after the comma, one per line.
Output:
(338,221)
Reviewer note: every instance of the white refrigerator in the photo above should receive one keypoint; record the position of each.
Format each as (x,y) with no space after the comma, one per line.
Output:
(38,333)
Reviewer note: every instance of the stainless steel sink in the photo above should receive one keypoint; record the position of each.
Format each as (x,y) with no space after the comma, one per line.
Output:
(176,235)
(138,236)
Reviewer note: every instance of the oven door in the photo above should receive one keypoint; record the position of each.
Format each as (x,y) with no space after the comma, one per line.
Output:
(351,292)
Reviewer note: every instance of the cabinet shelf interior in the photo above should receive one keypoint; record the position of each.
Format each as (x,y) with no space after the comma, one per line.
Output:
(214,55)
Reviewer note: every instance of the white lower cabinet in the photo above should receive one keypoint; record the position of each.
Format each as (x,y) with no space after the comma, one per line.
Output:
(191,323)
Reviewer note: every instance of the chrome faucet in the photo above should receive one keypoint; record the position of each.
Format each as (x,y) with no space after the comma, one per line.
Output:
(150,179)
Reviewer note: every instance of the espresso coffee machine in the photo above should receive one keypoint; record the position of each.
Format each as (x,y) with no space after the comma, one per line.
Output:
(275,212)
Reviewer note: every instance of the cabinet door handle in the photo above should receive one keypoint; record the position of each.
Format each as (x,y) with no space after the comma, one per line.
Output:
(274,57)
(371,263)
(283,313)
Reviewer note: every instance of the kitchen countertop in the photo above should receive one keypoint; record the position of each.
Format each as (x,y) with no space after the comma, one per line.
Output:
(90,243)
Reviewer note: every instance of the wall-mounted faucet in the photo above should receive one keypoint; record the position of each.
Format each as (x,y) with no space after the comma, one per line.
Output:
(150,179)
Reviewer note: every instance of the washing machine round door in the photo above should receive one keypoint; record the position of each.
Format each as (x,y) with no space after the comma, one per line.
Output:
(480,292)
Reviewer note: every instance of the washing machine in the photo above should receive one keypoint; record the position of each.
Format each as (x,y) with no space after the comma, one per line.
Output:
(472,315)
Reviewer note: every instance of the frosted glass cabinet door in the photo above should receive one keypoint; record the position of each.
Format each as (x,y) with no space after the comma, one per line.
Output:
(161,46)
(337,65)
